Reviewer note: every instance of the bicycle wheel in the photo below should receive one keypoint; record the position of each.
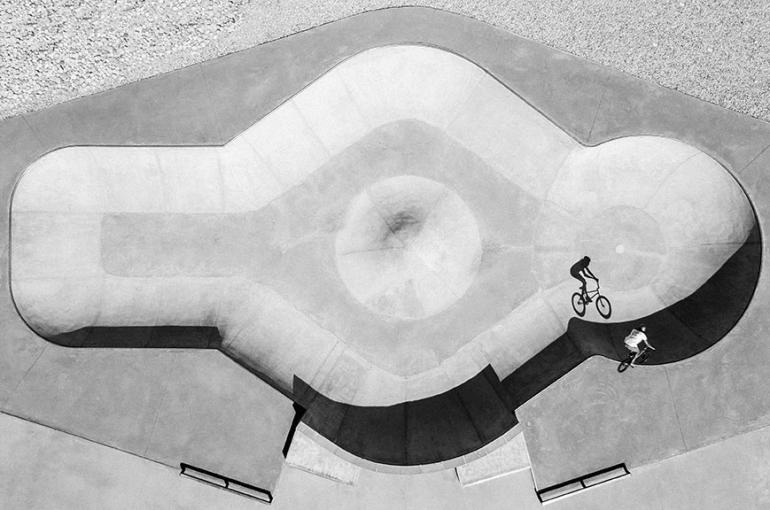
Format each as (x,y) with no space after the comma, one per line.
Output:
(624,365)
(578,304)
(604,307)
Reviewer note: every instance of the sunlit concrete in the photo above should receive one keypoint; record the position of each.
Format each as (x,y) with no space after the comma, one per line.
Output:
(52,469)
(56,470)
(307,454)
(629,203)
(509,457)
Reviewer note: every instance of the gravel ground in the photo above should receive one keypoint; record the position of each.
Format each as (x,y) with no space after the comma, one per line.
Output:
(55,50)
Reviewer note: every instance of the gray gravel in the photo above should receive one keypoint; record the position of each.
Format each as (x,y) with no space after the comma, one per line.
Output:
(55,50)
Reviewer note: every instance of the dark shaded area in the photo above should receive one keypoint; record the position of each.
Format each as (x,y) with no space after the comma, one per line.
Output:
(299,412)
(180,337)
(543,369)
(476,412)
(473,414)
(424,431)
(680,331)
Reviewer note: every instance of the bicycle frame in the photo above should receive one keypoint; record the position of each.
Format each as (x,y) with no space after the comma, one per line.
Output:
(631,359)
(641,353)
(590,294)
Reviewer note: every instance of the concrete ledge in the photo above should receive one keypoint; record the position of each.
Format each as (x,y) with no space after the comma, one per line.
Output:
(508,458)
(306,454)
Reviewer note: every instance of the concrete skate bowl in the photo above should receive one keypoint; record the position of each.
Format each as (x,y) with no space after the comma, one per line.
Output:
(391,248)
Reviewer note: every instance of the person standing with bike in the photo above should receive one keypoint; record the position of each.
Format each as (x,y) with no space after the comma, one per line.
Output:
(634,340)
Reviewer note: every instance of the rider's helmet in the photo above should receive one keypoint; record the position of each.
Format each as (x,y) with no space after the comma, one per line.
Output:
(587,259)
(643,328)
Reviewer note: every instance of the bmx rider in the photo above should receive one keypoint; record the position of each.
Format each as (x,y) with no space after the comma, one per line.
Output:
(634,340)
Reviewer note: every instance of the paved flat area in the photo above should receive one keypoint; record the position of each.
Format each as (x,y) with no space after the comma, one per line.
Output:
(56,470)
(588,121)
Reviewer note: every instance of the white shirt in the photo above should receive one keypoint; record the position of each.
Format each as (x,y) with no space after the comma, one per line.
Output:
(635,338)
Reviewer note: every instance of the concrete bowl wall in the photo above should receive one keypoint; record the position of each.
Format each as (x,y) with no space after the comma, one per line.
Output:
(658,216)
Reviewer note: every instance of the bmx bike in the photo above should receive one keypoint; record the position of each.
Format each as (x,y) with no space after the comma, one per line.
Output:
(643,355)
(580,301)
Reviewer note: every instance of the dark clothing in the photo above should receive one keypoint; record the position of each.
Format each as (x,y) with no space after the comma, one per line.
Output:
(575,271)
(577,267)
(579,276)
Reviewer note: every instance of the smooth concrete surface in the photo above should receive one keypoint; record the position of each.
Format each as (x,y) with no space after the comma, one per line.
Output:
(409,247)
(307,454)
(628,202)
(591,103)
(194,415)
(52,469)
(508,458)
(88,224)
(56,470)
(731,474)
(646,426)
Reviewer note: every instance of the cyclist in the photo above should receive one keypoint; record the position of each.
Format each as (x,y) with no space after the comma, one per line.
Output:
(580,271)
(635,338)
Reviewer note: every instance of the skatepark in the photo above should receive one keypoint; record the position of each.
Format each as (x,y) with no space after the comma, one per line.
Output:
(348,278)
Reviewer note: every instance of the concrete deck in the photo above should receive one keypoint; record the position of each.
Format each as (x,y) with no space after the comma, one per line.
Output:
(138,243)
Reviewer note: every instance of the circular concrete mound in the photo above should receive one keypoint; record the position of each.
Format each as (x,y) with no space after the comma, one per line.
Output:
(409,248)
